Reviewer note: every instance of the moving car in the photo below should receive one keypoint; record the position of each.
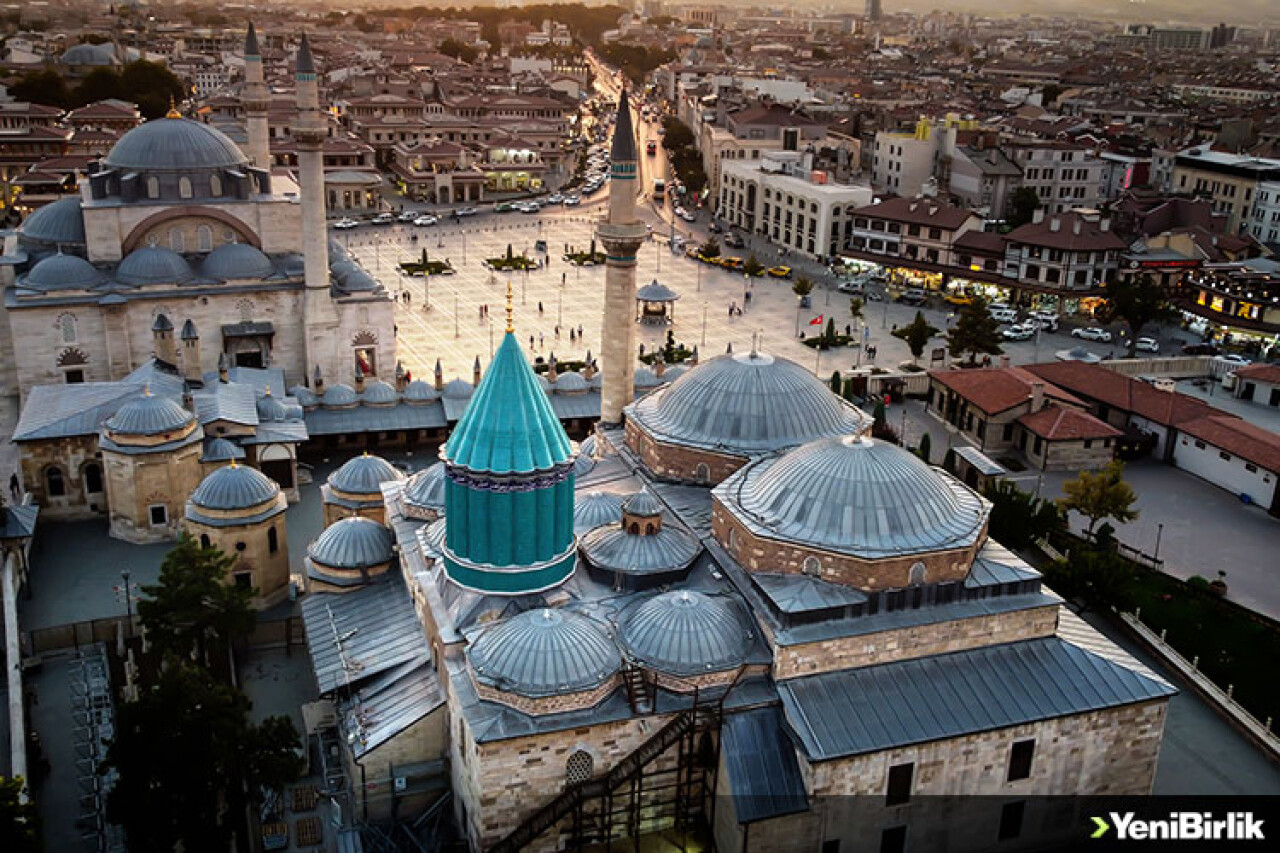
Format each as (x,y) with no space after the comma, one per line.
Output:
(1235,360)
(1092,333)
(1047,320)
(425,220)
(1003,315)
(466,211)
(855,286)
(913,296)
(503,207)
(734,240)
(408,216)
(571,200)
(384,219)
(958,298)
(1020,332)
(686,215)
(555,198)
(715,227)
(1146,345)
(731,263)
(345,223)
(539,245)
(780,272)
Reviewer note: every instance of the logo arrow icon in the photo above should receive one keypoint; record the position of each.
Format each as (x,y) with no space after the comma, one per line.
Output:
(1102,825)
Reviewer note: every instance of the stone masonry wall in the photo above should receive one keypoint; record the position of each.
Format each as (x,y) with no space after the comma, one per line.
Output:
(70,456)
(674,462)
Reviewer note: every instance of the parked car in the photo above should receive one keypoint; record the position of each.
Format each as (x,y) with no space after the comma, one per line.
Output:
(466,211)
(715,227)
(573,199)
(731,263)
(1092,333)
(1200,349)
(503,207)
(345,223)
(780,272)
(425,220)
(687,215)
(856,286)
(384,219)
(1020,332)
(555,198)
(539,245)
(1146,345)
(913,296)
(1046,320)
(1235,360)
(735,240)
(408,216)
(1003,315)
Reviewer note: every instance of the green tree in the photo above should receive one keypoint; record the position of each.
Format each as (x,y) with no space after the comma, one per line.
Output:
(857,309)
(1099,577)
(100,84)
(752,265)
(193,612)
(1017,518)
(878,414)
(1023,204)
(836,382)
(926,445)
(802,287)
(186,755)
(1136,301)
(917,334)
(19,821)
(675,134)
(829,333)
(152,87)
(710,249)
(1100,495)
(42,87)
(458,50)
(974,332)
(820,54)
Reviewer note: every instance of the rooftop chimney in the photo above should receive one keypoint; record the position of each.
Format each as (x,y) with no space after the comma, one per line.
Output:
(1037,396)
(1075,225)
(1037,216)
(1055,224)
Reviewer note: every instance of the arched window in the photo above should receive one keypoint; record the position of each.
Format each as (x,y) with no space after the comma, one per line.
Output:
(649,528)
(55,483)
(67,325)
(215,185)
(204,541)
(184,187)
(813,566)
(93,478)
(634,528)
(579,767)
(273,540)
(204,239)
(917,574)
(153,187)
(176,241)
(702,473)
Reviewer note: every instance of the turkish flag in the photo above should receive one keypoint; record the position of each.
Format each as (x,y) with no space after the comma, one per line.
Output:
(817,321)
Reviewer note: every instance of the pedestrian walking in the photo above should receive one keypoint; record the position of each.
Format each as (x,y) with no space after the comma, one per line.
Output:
(539,307)
(557,332)
(14,488)
(579,330)
(541,339)
(531,342)
(572,334)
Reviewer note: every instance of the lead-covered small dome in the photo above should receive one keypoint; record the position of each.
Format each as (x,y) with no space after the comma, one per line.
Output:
(425,489)
(153,265)
(220,450)
(419,393)
(379,393)
(234,487)
(175,144)
(364,475)
(352,544)
(855,495)
(150,415)
(59,222)
(63,272)
(746,404)
(544,653)
(594,509)
(685,633)
(237,262)
(339,396)
(271,409)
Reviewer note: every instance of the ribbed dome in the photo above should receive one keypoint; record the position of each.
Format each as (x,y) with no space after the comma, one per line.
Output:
(150,415)
(63,272)
(571,383)
(642,504)
(426,488)
(234,487)
(88,54)
(684,633)
(594,509)
(363,475)
(153,265)
(220,450)
(271,409)
(856,495)
(359,281)
(235,262)
(57,222)
(583,464)
(544,653)
(459,389)
(353,543)
(746,404)
(175,144)
(379,393)
(418,391)
(646,379)
(339,395)
(304,395)
(614,548)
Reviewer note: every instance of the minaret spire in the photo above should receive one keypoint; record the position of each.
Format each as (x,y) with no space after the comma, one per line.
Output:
(511,324)
(621,233)
(256,100)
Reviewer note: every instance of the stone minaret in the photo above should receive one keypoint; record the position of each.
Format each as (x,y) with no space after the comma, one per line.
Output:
(191,355)
(309,131)
(255,99)
(621,233)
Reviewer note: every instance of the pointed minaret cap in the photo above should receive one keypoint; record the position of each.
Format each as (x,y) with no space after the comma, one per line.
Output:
(319,376)
(251,42)
(305,64)
(729,349)
(624,134)
(189,332)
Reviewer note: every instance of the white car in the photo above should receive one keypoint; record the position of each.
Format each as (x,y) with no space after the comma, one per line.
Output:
(571,200)
(1046,320)
(424,221)
(345,224)
(1092,333)
(1235,360)
(384,219)
(408,216)
(1020,332)
(687,215)
(555,198)
(1146,345)
(466,211)
(1003,315)
(529,207)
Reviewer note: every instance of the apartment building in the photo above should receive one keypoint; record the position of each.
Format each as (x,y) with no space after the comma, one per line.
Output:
(1069,251)
(749,133)
(911,229)
(902,162)
(1264,219)
(1231,181)
(1063,174)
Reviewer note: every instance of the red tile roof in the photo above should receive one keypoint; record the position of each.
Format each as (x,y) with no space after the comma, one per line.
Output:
(1238,437)
(1094,382)
(918,211)
(1063,423)
(1090,237)
(997,389)
(1260,373)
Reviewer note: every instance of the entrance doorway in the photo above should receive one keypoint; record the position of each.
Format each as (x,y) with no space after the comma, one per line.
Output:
(251,358)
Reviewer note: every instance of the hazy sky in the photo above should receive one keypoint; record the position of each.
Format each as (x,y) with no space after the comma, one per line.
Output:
(1237,12)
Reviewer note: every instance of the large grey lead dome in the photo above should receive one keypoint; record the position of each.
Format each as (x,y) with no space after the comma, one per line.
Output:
(860,496)
(746,404)
(237,262)
(150,415)
(544,653)
(684,633)
(353,543)
(60,221)
(175,144)
(63,272)
(234,487)
(364,475)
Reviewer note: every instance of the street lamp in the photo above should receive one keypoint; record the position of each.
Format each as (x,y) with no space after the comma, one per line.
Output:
(128,601)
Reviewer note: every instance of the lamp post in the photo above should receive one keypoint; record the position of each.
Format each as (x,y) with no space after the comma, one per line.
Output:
(1159,533)
(128,601)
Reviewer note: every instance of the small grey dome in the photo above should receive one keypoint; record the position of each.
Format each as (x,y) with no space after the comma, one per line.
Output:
(359,281)
(60,221)
(220,450)
(153,265)
(88,54)
(379,393)
(656,291)
(235,262)
(234,487)
(459,389)
(746,404)
(339,395)
(175,144)
(418,391)
(353,543)
(545,384)
(646,378)
(150,415)
(571,383)
(426,488)
(583,464)
(363,475)
(304,395)
(343,267)
(544,653)
(675,372)
(643,504)
(594,509)
(63,272)
(856,495)
(337,251)
(685,632)
(271,409)
(616,549)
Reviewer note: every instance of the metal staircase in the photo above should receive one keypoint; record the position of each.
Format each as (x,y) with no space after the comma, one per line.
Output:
(634,797)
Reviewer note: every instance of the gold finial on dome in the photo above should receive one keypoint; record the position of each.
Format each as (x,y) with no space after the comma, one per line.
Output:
(173,109)
(511,324)
(146,390)
(233,462)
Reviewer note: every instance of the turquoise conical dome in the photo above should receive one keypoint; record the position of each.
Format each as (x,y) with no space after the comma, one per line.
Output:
(509,426)
(509,485)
